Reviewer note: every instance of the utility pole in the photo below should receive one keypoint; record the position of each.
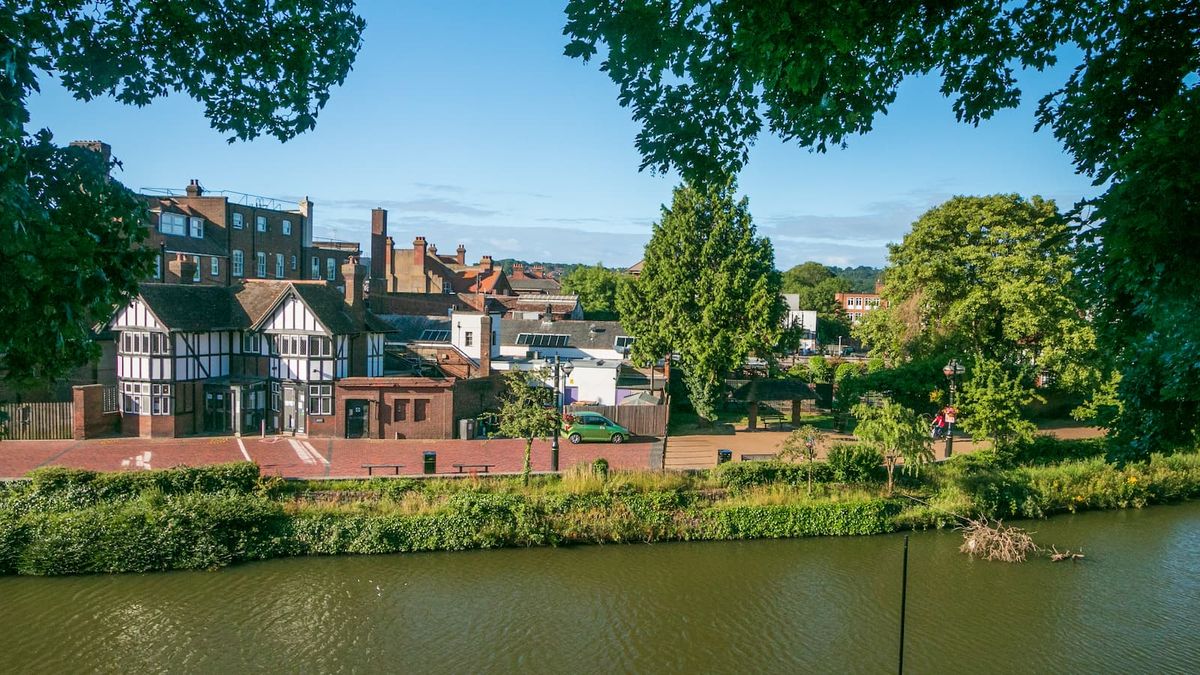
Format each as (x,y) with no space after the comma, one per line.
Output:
(903,602)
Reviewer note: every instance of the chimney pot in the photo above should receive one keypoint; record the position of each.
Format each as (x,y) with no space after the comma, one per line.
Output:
(194,189)
(461,256)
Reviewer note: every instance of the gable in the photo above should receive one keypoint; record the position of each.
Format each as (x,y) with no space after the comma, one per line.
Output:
(294,316)
(136,315)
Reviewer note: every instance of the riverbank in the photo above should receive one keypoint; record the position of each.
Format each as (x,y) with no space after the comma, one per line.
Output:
(65,521)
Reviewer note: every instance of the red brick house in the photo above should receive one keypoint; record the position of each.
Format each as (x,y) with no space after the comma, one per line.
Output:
(421,269)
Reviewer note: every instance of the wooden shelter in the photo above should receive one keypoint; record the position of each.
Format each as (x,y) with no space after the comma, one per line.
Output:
(762,390)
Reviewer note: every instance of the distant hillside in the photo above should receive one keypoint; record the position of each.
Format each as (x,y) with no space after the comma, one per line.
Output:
(862,278)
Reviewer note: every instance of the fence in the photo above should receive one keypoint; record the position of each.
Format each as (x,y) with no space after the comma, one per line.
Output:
(641,420)
(37,421)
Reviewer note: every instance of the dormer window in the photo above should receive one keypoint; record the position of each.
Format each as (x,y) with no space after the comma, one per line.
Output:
(172,223)
(197,230)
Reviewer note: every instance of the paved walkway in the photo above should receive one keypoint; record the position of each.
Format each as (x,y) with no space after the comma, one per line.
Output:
(307,458)
(700,451)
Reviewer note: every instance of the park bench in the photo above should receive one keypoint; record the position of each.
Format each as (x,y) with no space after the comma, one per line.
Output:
(394,467)
(758,458)
(774,416)
(473,468)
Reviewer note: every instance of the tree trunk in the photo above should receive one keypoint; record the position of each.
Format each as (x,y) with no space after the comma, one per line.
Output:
(810,469)
(891,468)
(528,468)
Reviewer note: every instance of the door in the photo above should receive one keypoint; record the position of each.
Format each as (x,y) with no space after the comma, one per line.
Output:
(293,408)
(356,418)
(217,410)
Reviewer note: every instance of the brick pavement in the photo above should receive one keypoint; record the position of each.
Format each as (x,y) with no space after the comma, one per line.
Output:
(305,458)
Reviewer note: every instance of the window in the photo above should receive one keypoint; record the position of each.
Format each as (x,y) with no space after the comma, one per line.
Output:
(320,346)
(172,223)
(239,263)
(141,343)
(135,397)
(287,227)
(320,399)
(316,268)
(158,267)
(468,339)
(293,263)
(278,265)
(251,343)
(195,268)
(399,410)
(276,396)
(330,268)
(447,287)
(420,409)
(238,221)
(291,345)
(197,227)
(542,340)
(260,223)
(261,264)
(623,343)
(160,399)
(215,266)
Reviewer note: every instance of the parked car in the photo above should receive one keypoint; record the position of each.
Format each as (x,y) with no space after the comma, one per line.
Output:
(594,427)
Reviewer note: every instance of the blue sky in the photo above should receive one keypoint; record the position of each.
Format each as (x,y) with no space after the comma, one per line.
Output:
(465,121)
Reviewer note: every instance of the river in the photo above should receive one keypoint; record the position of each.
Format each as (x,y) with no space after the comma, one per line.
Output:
(807,605)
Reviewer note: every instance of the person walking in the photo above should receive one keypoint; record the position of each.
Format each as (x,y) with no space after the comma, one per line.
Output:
(939,425)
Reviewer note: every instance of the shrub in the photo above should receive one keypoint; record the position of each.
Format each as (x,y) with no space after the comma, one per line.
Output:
(737,476)
(855,463)
(1044,449)
(600,467)
(797,520)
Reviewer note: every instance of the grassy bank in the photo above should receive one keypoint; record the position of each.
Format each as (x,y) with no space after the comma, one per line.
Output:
(67,521)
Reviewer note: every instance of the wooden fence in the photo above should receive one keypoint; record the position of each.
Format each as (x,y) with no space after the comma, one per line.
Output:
(37,421)
(641,420)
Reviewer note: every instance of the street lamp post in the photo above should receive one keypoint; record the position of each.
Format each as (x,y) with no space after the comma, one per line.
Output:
(951,370)
(560,369)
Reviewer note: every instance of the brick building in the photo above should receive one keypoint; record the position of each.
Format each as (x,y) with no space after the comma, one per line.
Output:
(421,269)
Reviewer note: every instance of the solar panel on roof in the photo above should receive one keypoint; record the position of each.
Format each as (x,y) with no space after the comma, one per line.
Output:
(542,339)
(434,335)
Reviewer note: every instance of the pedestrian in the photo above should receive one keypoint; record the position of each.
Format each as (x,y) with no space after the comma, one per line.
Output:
(939,425)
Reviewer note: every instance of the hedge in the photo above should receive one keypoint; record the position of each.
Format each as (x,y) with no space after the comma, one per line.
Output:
(798,520)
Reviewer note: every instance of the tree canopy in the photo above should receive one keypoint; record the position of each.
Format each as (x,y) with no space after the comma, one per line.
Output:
(597,287)
(708,291)
(68,233)
(526,411)
(704,79)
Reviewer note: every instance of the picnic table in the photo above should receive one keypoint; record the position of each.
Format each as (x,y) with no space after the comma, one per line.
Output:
(371,468)
(473,468)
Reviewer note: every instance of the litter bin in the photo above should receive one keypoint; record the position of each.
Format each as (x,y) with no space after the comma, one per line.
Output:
(430,461)
(724,456)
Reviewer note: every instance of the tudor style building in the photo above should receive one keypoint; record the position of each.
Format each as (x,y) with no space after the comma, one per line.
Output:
(261,355)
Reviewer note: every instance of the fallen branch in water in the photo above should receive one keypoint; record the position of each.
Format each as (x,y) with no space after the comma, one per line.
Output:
(1055,556)
(996,542)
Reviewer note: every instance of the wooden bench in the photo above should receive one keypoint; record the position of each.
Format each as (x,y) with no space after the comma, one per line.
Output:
(758,458)
(371,468)
(473,468)
(778,418)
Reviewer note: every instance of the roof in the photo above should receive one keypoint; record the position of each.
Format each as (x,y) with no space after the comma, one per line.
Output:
(412,328)
(540,301)
(192,308)
(581,334)
(524,283)
(764,389)
(417,304)
(635,268)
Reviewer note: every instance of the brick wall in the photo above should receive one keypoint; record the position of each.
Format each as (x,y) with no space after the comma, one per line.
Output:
(89,419)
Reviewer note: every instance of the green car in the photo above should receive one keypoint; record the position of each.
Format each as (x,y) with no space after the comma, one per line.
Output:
(593,427)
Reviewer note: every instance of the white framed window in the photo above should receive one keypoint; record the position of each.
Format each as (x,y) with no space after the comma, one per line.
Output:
(330,268)
(287,227)
(278,265)
(197,230)
(160,399)
(195,268)
(135,398)
(261,264)
(468,339)
(276,396)
(239,221)
(239,263)
(320,346)
(623,343)
(293,263)
(214,266)
(260,223)
(320,399)
(447,287)
(251,344)
(291,345)
(316,267)
(172,223)
(143,343)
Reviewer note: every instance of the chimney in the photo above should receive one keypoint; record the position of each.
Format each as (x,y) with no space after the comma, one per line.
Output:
(353,275)
(548,317)
(182,267)
(461,255)
(379,242)
(518,269)
(98,147)
(486,264)
(194,189)
(419,251)
(306,210)
(485,346)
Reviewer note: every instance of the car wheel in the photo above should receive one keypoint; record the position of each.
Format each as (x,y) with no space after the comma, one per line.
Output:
(575,438)
(618,438)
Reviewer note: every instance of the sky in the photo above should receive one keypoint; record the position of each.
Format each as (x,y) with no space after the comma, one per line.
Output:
(467,123)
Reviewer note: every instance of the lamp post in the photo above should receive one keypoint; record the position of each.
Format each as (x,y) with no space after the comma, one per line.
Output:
(560,369)
(951,370)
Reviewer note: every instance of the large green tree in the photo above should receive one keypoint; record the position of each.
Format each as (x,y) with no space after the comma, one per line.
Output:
(597,287)
(68,233)
(705,78)
(527,412)
(708,292)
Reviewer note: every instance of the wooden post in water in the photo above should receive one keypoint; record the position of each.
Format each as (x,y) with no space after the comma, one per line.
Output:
(903,601)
